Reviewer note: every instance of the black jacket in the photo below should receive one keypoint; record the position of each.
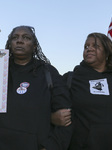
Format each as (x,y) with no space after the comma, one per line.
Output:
(26,125)
(91,94)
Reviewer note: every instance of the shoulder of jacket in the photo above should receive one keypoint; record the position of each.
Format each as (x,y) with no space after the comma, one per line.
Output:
(48,76)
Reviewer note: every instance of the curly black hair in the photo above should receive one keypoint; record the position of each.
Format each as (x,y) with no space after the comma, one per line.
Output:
(38,54)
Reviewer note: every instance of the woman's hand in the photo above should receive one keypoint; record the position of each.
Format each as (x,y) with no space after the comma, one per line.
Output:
(61,117)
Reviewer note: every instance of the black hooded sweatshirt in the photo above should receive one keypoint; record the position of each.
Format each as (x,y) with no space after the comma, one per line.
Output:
(26,125)
(91,94)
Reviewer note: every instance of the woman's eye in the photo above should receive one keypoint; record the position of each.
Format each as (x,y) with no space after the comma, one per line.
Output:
(26,38)
(86,46)
(14,37)
(96,46)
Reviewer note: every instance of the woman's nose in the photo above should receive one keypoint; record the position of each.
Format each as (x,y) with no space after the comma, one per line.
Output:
(90,48)
(20,39)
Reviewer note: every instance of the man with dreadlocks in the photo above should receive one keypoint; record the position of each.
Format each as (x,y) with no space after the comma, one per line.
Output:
(26,125)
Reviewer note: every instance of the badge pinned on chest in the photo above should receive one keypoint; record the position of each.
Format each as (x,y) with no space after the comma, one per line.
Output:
(99,86)
(23,88)
(25,84)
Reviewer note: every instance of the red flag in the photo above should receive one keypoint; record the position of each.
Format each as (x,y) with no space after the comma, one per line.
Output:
(109,34)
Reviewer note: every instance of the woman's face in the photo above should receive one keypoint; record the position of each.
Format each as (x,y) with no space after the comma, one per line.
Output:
(94,53)
(22,45)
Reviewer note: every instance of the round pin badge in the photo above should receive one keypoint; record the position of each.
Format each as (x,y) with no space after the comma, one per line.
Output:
(25,84)
(21,90)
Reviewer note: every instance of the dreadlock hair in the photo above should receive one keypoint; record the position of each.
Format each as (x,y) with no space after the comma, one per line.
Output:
(38,54)
(107,44)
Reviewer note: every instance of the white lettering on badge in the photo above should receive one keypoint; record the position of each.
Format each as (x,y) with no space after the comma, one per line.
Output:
(23,88)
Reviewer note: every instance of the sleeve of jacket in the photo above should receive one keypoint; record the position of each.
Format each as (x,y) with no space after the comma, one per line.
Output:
(59,93)
(59,137)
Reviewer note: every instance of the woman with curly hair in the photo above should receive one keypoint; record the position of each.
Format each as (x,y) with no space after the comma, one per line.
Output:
(27,123)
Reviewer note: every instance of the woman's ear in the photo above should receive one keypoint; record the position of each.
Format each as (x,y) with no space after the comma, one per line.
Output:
(106,58)
(34,48)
